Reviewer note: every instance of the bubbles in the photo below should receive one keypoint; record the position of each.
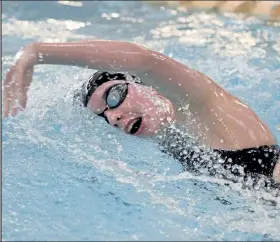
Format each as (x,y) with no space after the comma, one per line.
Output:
(65,158)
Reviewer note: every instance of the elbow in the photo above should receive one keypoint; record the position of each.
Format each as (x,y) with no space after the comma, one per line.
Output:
(28,54)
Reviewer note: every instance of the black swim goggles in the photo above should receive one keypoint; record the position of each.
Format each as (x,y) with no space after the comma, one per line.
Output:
(114,98)
(115,95)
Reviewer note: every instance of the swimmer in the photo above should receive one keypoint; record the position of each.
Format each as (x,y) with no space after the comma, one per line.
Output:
(141,92)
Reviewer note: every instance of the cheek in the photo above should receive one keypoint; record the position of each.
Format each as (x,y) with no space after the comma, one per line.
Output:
(145,106)
(147,102)
(137,103)
(156,105)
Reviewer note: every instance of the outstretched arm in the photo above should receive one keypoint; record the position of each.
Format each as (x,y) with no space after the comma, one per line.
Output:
(130,57)
(102,55)
(94,54)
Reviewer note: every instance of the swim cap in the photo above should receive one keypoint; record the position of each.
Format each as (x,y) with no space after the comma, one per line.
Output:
(100,77)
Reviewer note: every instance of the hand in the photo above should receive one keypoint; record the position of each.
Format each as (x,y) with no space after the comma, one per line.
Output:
(17,82)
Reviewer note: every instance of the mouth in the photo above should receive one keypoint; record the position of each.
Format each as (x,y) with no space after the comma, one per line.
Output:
(135,125)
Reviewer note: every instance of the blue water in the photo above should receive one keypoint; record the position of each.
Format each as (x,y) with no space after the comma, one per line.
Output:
(68,176)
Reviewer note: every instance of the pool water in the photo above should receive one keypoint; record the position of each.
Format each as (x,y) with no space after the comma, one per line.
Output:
(70,176)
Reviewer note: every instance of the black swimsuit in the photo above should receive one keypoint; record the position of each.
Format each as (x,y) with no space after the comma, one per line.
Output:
(251,162)
(259,160)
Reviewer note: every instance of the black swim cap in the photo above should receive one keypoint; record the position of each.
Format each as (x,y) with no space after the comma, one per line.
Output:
(100,77)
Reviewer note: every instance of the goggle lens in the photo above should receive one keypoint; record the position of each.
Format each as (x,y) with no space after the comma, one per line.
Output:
(116,95)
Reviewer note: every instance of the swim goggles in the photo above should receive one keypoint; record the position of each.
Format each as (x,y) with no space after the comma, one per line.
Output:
(115,95)
(114,98)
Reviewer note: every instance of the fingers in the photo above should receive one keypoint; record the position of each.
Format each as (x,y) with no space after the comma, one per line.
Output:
(14,93)
(6,100)
(19,92)
(24,88)
(15,97)
(8,87)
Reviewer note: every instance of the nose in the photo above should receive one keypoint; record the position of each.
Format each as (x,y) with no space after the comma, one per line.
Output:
(114,117)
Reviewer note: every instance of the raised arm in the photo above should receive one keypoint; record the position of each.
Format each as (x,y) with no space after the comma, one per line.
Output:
(94,54)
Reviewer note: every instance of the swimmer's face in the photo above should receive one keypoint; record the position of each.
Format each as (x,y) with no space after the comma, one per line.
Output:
(139,110)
